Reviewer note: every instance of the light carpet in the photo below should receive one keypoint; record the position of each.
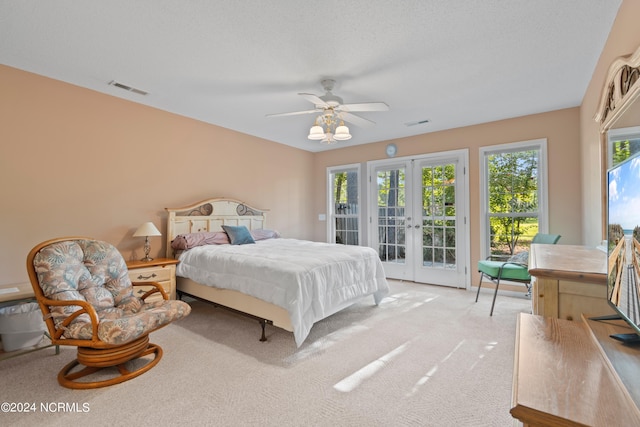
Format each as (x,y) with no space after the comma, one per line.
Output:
(426,356)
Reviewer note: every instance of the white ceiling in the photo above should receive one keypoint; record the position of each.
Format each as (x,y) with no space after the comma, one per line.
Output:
(231,62)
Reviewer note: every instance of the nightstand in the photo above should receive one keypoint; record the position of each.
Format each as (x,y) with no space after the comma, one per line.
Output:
(161,270)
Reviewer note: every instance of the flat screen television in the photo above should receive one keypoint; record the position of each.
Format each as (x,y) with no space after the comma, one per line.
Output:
(623,244)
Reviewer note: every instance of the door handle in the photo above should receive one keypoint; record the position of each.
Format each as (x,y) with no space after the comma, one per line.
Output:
(417,226)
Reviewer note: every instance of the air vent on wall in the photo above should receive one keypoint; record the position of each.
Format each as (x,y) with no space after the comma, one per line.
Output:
(129,88)
(417,122)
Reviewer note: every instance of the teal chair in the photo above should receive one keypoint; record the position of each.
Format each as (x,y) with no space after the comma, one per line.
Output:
(514,269)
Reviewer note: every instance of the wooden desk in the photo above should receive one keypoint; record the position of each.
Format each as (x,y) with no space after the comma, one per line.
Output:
(568,280)
(572,374)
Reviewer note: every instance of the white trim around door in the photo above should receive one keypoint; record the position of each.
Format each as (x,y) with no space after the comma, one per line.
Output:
(418,217)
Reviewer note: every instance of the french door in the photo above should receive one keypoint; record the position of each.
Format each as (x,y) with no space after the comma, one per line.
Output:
(418,218)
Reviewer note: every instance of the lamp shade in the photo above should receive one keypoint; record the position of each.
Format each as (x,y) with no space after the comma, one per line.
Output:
(342,133)
(316,132)
(147,229)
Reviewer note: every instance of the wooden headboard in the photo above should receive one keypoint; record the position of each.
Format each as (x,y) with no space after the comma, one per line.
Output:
(210,215)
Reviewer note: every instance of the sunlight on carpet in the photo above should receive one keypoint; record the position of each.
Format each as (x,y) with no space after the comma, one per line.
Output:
(426,356)
(355,379)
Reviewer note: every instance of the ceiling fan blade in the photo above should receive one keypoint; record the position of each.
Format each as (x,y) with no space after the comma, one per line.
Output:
(294,113)
(314,99)
(366,106)
(356,120)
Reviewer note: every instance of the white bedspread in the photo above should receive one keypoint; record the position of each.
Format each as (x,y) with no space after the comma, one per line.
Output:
(311,280)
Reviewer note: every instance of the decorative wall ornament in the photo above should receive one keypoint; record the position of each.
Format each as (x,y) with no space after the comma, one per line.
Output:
(628,77)
(622,84)
(619,109)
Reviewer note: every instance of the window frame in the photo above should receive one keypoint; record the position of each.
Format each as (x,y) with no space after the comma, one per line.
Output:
(331,216)
(543,189)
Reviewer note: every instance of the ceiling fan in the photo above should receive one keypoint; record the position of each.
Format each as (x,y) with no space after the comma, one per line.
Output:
(332,106)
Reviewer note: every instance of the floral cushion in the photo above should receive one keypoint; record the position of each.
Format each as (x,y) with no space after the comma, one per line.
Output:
(95,272)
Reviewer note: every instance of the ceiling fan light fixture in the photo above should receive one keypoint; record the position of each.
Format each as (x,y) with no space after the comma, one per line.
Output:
(316,133)
(342,133)
(328,139)
(329,126)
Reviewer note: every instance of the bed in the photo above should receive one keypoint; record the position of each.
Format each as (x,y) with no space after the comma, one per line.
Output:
(288,283)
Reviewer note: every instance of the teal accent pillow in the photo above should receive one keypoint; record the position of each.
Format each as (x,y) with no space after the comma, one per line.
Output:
(238,235)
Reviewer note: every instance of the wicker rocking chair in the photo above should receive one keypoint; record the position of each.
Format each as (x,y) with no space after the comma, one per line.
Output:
(87,300)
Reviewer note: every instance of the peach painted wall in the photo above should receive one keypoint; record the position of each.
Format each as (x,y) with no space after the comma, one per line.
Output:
(623,40)
(78,162)
(561,128)
(72,164)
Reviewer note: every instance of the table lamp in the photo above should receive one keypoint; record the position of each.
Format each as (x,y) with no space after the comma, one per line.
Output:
(147,229)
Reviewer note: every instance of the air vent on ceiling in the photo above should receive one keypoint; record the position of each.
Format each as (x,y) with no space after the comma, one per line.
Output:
(417,122)
(129,88)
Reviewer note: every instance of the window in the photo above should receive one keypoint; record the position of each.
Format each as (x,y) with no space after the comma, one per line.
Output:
(344,205)
(622,144)
(514,196)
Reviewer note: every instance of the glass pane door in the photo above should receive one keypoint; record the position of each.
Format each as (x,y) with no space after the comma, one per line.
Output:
(392,221)
(439,216)
(418,218)
(440,223)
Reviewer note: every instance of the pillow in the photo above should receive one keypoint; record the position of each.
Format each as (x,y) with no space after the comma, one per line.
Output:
(191,240)
(239,235)
(520,258)
(263,234)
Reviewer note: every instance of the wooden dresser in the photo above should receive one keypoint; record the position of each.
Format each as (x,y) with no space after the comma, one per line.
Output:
(568,280)
(571,373)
